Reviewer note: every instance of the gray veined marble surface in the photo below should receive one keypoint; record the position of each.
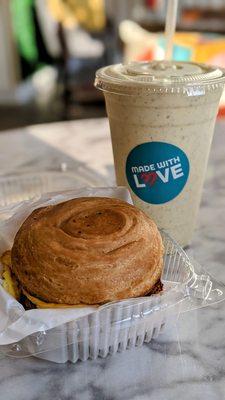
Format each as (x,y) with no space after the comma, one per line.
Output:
(188,360)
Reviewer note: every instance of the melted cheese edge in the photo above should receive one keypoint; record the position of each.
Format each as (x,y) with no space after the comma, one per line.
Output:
(9,284)
(42,304)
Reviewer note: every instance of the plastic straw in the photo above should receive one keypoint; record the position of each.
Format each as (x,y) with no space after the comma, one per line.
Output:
(170,27)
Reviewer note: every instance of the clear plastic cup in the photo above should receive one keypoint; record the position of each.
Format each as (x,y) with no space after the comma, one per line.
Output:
(162,117)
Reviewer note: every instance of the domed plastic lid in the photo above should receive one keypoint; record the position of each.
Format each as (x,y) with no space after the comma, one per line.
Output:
(159,76)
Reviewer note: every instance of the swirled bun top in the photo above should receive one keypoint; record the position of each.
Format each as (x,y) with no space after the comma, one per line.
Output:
(87,250)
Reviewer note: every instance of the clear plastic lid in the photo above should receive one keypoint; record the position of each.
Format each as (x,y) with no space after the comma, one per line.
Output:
(158,76)
(26,185)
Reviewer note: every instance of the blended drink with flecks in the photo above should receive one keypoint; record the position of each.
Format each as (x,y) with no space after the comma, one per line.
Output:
(162,117)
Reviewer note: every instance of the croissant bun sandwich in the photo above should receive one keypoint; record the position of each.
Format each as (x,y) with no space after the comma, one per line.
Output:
(85,251)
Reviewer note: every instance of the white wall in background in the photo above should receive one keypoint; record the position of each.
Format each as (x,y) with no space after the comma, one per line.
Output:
(8,59)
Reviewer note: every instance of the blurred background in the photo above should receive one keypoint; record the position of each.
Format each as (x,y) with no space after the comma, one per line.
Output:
(50,50)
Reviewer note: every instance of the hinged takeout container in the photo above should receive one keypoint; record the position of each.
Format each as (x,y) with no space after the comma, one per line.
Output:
(79,334)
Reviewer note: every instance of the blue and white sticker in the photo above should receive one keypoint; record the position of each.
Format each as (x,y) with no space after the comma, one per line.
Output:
(157,171)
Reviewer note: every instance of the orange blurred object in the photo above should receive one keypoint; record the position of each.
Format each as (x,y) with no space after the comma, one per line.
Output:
(146,55)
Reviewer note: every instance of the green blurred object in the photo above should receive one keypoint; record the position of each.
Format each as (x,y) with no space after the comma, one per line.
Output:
(24,29)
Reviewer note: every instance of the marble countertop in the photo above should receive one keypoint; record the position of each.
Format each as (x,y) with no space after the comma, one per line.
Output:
(188,360)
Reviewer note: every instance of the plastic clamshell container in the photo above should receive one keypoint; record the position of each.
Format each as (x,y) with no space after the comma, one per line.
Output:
(114,326)
(118,326)
(24,186)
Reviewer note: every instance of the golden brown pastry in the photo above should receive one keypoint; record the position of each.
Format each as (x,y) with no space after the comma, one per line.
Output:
(11,285)
(87,250)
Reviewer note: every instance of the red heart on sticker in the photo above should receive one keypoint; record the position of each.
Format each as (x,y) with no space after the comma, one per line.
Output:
(149,177)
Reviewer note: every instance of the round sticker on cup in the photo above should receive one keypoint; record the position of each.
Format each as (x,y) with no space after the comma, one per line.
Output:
(157,171)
